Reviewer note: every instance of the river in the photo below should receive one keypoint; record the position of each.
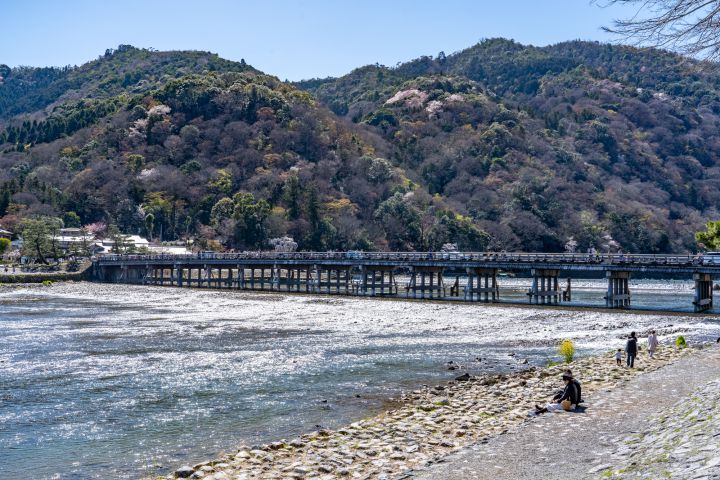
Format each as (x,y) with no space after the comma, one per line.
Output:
(117,381)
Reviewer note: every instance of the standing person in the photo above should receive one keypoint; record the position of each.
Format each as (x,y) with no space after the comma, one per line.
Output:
(652,343)
(631,349)
(618,356)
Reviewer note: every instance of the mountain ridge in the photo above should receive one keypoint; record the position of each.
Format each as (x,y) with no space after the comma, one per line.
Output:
(500,146)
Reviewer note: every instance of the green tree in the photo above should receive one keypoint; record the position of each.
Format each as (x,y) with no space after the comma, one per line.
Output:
(453,228)
(401,222)
(81,249)
(313,209)
(250,216)
(4,245)
(223,182)
(71,220)
(710,238)
(150,225)
(322,230)
(121,245)
(4,201)
(37,237)
(222,210)
(135,162)
(161,208)
(291,194)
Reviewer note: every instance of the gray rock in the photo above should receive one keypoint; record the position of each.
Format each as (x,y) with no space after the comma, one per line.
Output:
(184,472)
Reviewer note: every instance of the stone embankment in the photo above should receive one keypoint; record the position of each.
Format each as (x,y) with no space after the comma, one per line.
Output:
(39,277)
(428,425)
(682,442)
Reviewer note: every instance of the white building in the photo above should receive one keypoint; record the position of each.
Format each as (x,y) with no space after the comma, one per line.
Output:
(67,237)
(131,243)
(168,250)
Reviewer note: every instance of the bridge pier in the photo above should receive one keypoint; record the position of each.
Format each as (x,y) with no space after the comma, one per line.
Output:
(241,277)
(489,292)
(274,278)
(434,285)
(337,279)
(618,293)
(373,280)
(703,292)
(544,288)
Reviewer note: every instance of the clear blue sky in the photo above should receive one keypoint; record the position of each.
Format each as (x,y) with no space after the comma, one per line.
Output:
(291,39)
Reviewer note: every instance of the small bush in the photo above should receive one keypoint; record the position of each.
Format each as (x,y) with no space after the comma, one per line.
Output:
(567,350)
(680,342)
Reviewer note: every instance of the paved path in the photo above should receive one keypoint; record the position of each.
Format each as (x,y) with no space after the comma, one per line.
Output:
(580,445)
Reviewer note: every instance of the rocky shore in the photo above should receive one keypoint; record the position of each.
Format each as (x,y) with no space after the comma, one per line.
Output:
(427,425)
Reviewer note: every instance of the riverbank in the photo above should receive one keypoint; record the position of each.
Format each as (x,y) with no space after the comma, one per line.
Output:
(40,277)
(661,424)
(426,426)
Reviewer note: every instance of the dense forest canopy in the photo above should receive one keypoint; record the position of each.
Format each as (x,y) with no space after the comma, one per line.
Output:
(500,146)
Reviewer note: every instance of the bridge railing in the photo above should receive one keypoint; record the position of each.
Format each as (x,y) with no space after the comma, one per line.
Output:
(453,257)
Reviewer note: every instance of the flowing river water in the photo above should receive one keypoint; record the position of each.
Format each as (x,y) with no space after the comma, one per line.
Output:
(117,381)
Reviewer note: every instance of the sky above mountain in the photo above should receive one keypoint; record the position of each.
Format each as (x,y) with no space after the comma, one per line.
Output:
(293,39)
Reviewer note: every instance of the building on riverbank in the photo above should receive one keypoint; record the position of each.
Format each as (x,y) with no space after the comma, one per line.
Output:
(130,243)
(69,238)
(137,244)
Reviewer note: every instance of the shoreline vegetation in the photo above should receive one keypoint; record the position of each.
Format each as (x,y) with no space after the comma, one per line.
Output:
(424,426)
(45,277)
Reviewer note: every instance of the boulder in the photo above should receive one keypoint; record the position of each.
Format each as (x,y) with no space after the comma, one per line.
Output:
(184,472)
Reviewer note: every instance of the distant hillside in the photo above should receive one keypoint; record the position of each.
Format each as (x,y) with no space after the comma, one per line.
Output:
(124,70)
(499,146)
(538,145)
(192,146)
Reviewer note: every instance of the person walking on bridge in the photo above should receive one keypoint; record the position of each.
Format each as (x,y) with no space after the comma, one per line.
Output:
(631,349)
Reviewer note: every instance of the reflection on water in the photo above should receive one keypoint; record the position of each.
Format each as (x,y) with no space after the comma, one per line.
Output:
(102,380)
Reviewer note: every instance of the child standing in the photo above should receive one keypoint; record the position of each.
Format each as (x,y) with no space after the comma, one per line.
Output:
(618,356)
(652,343)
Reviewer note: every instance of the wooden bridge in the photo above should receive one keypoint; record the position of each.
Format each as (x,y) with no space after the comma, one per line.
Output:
(376,273)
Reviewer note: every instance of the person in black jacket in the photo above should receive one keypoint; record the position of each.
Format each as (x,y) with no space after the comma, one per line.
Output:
(577,386)
(570,392)
(631,349)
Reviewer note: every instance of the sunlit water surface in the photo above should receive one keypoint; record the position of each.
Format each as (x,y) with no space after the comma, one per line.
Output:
(113,381)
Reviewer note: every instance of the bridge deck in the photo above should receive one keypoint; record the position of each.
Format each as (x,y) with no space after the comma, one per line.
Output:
(332,273)
(669,264)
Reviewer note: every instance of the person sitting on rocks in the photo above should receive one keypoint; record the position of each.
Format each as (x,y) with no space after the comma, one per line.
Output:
(567,401)
(559,393)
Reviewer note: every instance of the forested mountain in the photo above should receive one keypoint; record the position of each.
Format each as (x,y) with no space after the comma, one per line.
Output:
(597,142)
(224,154)
(499,146)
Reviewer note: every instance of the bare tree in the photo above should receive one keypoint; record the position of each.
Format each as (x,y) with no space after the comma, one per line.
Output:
(691,27)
